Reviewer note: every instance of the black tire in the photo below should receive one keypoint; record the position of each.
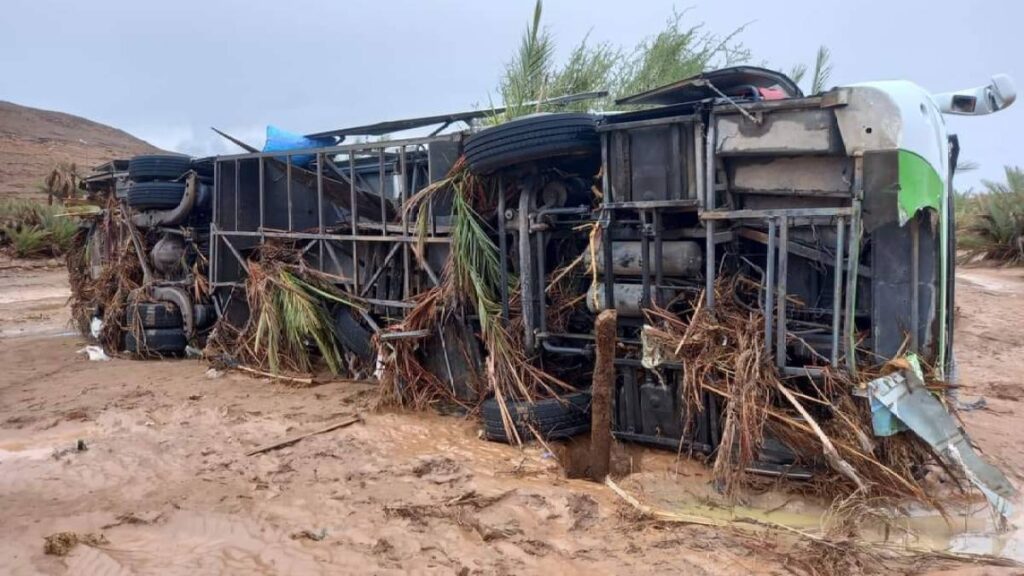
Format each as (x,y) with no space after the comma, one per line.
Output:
(552,418)
(353,336)
(155,195)
(162,341)
(536,137)
(155,315)
(158,167)
(203,167)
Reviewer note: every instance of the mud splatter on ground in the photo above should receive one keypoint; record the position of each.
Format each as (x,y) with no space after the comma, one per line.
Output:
(166,484)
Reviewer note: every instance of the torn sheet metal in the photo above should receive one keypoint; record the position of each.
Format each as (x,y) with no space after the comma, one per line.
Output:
(905,396)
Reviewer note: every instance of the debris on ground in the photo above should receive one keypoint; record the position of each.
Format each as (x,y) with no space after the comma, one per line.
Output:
(289,441)
(95,353)
(80,446)
(904,395)
(61,543)
(309,535)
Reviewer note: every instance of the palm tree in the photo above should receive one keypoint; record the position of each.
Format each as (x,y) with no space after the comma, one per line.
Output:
(996,229)
(678,51)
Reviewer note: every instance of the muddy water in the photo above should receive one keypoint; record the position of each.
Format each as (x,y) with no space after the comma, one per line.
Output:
(969,528)
(33,301)
(166,481)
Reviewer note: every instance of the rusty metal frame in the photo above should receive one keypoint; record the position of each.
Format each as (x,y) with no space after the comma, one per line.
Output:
(320,244)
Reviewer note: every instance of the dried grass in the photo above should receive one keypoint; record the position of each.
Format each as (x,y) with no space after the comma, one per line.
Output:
(723,352)
(470,286)
(290,315)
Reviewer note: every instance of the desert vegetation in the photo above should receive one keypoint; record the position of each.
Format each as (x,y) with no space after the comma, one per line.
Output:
(32,229)
(990,221)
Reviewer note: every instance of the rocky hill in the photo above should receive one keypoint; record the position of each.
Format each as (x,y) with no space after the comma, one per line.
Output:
(32,141)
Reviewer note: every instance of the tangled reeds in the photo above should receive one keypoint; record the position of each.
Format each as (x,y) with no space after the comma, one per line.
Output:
(723,353)
(290,315)
(104,272)
(470,286)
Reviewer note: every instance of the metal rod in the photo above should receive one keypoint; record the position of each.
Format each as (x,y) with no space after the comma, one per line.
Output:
(337,237)
(698,138)
(801,250)
(609,262)
(333,255)
(380,269)
(381,172)
(319,206)
(502,249)
(288,188)
(915,288)
(447,362)
(769,213)
(214,277)
(837,288)
(526,269)
(234,251)
(346,148)
(684,119)
(659,272)
(404,187)
(850,327)
(645,263)
(237,191)
(353,214)
(542,310)
(780,328)
(769,287)
(262,198)
(709,204)
(709,264)
(709,169)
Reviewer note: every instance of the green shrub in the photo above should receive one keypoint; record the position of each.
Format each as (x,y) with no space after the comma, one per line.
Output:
(991,223)
(35,229)
(27,241)
(60,229)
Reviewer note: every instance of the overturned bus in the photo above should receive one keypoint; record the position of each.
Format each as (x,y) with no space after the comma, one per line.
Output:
(834,208)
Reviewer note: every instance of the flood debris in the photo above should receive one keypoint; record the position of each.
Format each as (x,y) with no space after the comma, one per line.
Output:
(723,283)
(459,510)
(471,284)
(94,353)
(292,440)
(725,358)
(80,446)
(904,396)
(316,536)
(836,548)
(62,543)
(290,309)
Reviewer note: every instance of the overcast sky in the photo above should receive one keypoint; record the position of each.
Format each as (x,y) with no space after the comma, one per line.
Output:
(167,70)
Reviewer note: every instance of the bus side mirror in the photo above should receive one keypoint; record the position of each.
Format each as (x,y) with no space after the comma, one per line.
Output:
(998,94)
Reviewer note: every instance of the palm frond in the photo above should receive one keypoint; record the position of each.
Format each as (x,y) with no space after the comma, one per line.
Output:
(991,223)
(822,70)
(526,76)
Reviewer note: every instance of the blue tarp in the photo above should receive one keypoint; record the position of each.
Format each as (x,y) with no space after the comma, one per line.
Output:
(279,140)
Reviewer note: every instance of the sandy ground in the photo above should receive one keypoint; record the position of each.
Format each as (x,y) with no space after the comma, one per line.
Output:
(164,484)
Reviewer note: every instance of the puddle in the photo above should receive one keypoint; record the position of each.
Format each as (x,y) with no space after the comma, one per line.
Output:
(29,454)
(971,528)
